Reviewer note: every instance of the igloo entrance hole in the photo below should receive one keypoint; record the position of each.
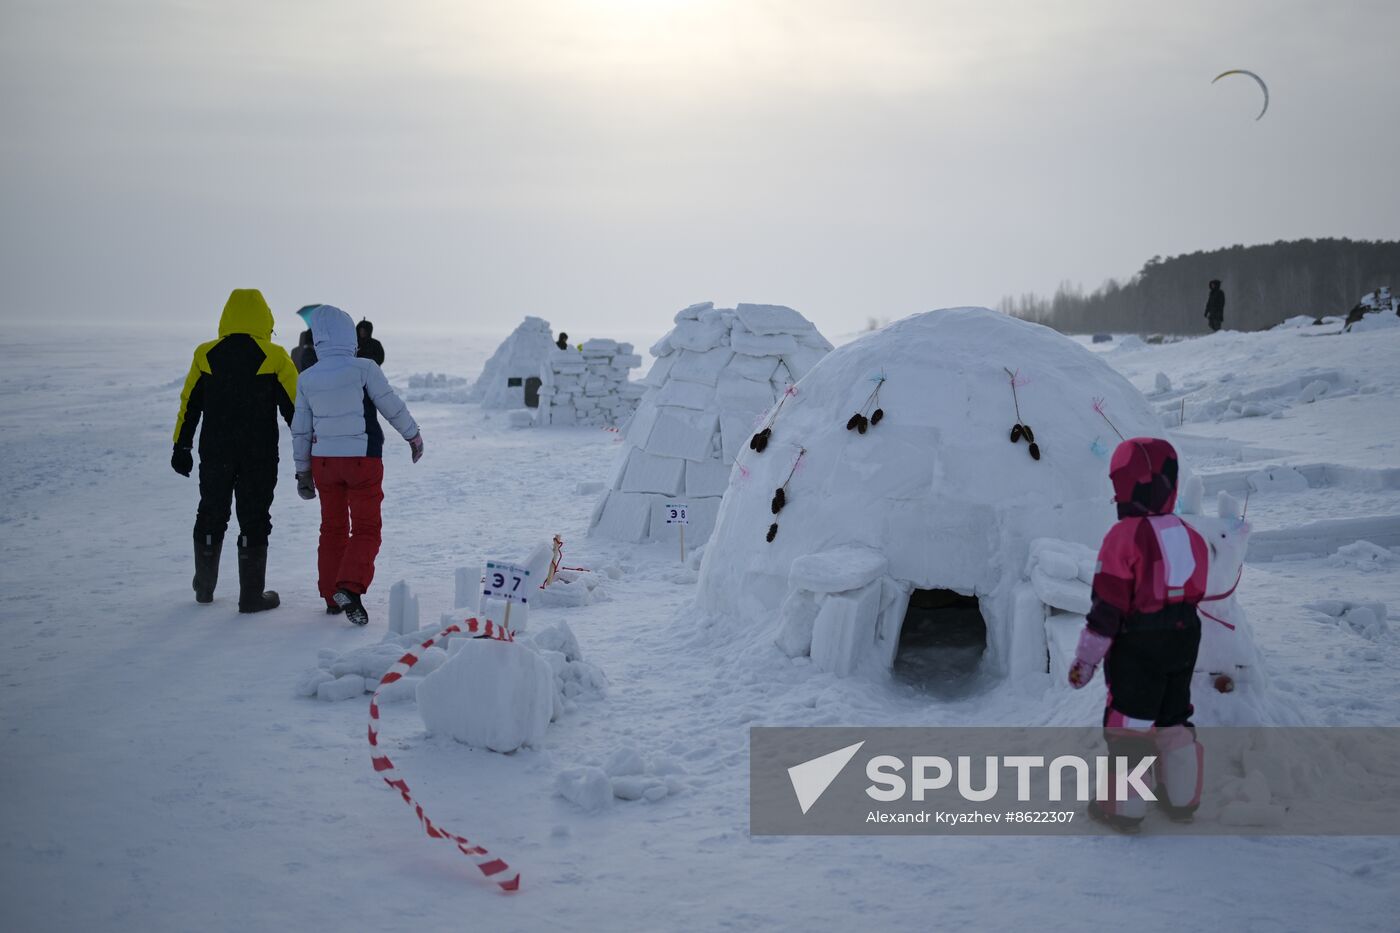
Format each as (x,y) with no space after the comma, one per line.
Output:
(941,642)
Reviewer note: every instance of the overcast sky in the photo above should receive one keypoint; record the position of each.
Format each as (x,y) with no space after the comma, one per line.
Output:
(602,163)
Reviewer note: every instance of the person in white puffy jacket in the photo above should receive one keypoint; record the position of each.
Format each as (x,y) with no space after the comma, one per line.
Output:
(338,447)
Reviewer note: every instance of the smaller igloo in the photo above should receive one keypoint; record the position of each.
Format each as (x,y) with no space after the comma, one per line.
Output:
(511,378)
(716,373)
(911,532)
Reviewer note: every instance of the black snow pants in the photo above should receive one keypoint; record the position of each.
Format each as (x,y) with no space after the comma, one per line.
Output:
(1148,671)
(251,483)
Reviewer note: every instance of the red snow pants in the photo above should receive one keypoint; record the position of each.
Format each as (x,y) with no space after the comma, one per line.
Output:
(350,489)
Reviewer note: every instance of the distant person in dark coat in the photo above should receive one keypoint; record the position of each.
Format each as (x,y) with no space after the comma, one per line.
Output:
(368,348)
(1215,306)
(563,341)
(304,353)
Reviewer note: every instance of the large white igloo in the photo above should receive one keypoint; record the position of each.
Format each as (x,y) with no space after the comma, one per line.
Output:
(933,508)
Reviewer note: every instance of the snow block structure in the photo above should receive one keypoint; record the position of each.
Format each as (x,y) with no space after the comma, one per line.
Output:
(922,522)
(489,694)
(589,387)
(716,373)
(511,377)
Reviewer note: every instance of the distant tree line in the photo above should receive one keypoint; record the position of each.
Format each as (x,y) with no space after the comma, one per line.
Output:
(1263,285)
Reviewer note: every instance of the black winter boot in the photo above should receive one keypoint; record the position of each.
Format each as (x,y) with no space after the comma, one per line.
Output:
(206,567)
(252,574)
(350,604)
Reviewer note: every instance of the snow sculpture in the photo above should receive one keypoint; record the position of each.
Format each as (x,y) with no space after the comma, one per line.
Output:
(590,386)
(511,378)
(715,375)
(933,512)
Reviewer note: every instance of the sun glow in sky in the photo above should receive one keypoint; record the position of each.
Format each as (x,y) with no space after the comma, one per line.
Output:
(605,162)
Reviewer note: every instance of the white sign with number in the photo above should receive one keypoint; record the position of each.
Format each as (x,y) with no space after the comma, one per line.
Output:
(506,581)
(678,513)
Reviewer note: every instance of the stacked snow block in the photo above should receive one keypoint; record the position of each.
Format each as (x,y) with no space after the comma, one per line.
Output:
(502,382)
(716,374)
(589,387)
(835,599)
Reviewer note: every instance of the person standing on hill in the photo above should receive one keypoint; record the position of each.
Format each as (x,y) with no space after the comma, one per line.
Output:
(367,348)
(339,447)
(563,341)
(239,384)
(1215,306)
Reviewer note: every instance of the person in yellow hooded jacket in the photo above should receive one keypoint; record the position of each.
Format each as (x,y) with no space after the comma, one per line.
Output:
(239,385)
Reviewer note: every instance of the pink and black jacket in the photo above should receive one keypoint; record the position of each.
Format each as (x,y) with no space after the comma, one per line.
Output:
(1152,565)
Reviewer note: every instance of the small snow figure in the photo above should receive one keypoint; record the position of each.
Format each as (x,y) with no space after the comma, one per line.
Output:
(1143,625)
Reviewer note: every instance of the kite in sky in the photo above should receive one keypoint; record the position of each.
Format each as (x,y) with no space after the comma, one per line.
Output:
(1262,86)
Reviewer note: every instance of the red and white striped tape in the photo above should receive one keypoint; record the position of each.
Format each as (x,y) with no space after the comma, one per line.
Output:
(492,867)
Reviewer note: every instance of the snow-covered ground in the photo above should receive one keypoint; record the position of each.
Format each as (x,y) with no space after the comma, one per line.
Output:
(160,774)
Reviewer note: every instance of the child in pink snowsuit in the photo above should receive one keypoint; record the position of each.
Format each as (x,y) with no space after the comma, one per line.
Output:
(1150,578)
